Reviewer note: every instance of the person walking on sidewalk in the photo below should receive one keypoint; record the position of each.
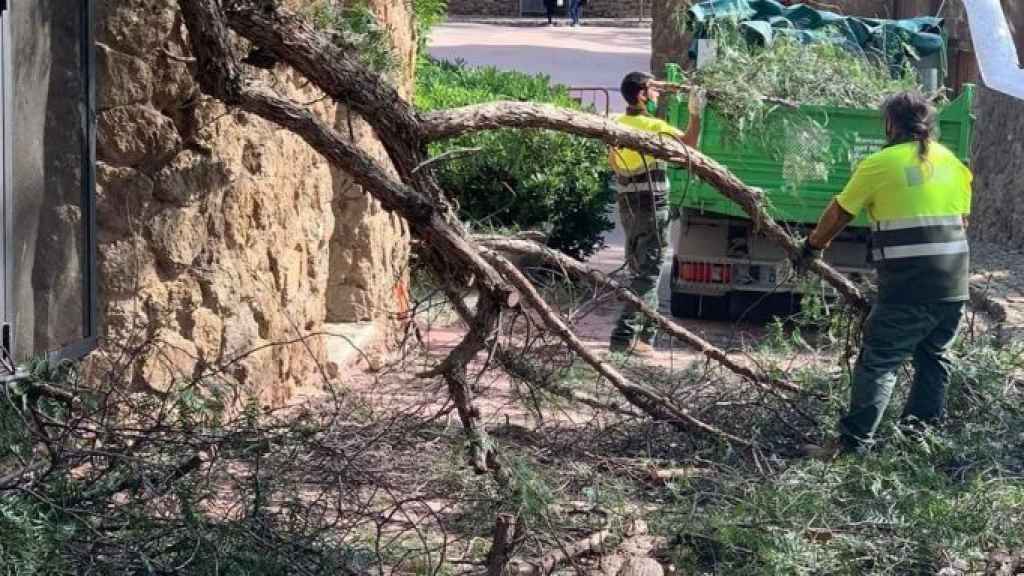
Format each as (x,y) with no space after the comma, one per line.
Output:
(549,9)
(576,10)
(641,186)
(918,195)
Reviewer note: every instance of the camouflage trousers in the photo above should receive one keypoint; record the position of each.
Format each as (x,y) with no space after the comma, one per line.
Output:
(646,229)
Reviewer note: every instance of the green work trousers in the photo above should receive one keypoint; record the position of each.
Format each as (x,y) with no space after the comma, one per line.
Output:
(646,229)
(895,332)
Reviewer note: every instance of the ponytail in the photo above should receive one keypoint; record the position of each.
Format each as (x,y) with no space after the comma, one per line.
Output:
(910,117)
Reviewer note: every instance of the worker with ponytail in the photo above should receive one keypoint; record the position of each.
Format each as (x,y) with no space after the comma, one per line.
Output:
(917,194)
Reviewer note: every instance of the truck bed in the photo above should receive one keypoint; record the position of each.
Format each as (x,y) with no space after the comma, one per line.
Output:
(852,133)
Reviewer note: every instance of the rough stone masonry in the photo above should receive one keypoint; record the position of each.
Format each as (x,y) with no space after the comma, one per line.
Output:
(226,243)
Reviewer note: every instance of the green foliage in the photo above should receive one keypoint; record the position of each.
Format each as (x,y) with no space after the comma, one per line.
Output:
(744,75)
(904,508)
(354,24)
(427,14)
(748,82)
(522,179)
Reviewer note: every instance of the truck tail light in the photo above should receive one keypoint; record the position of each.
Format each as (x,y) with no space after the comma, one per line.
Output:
(705,272)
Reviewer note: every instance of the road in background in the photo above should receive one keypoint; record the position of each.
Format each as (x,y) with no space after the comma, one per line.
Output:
(582,56)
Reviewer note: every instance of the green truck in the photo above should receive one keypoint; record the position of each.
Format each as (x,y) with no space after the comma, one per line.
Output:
(721,266)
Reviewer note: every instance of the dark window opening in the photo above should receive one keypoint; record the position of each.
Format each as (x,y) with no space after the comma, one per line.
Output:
(48,120)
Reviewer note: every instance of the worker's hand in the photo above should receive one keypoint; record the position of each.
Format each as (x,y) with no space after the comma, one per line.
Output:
(697,101)
(808,254)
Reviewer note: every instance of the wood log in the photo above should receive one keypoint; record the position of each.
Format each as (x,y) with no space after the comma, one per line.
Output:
(546,564)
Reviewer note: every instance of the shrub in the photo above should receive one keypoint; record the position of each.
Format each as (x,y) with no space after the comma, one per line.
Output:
(355,24)
(519,179)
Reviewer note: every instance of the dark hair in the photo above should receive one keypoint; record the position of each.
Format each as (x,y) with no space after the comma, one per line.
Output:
(911,117)
(633,84)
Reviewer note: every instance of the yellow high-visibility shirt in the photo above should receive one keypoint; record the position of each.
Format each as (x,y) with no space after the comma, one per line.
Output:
(627,162)
(894,183)
(919,244)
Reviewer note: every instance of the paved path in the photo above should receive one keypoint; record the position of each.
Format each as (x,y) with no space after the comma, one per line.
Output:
(582,56)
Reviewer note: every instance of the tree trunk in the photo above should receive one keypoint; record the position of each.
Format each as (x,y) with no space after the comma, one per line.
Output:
(669,40)
(998,214)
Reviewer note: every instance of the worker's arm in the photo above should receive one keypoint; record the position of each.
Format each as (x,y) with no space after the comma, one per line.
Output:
(831,223)
(696,104)
(692,135)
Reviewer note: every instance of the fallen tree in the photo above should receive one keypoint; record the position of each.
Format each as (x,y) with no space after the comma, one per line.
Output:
(459,263)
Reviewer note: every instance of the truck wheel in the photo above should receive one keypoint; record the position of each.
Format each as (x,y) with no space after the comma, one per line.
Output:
(714,307)
(685,305)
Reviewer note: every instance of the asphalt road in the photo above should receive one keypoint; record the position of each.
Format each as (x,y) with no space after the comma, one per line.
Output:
(589,56)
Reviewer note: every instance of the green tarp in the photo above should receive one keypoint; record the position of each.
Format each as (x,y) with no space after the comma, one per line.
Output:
(763,21)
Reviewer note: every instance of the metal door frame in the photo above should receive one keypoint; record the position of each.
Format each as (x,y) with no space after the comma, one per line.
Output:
(87,59)
(6,178)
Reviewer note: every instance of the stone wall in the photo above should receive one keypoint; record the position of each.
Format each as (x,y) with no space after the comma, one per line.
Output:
(508,8)
(369,247)
(216,229)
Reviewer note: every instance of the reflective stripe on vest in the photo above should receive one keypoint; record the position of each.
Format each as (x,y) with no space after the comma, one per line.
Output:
(915,250)
(918,221)
(919,237)
(655,181)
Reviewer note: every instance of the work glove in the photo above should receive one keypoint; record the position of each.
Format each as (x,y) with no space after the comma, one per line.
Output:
(697,101)
(808,254)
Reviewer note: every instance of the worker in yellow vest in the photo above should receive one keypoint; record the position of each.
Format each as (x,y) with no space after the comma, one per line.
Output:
(917,194)
(641,186)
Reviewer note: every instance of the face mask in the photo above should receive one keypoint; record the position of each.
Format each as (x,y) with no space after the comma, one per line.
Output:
(652,107)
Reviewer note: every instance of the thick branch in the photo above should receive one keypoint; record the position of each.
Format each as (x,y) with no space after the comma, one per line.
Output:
(449,123)
(524,370)
(654,403)
(337,71)
(598,278)
(334,69)
(221,77)
(483,455)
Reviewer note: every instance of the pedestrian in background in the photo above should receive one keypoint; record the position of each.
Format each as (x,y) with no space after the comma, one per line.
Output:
(549,7)
(576,10)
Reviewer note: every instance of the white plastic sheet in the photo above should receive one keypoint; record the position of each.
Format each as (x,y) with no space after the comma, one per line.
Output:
(994,47)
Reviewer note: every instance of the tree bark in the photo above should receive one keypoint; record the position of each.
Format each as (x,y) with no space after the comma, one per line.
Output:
(998,214)
(449,123)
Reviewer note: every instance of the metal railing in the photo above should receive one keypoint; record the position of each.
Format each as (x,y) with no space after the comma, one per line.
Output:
(592,92)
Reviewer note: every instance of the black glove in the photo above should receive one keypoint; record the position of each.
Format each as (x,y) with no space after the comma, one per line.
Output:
(807,255)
